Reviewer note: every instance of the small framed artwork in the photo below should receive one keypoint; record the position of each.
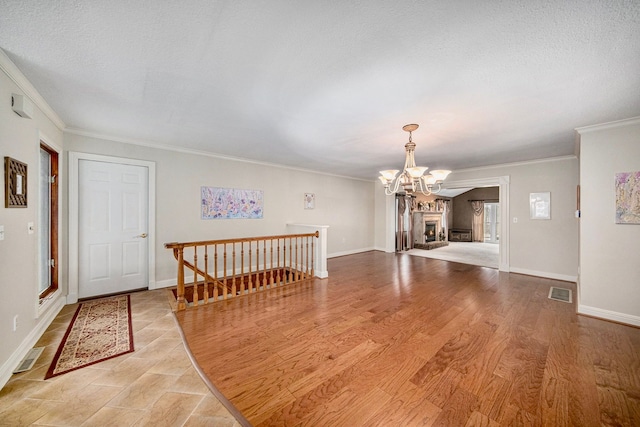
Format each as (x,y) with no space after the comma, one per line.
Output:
(309,200)
(540,205)
(15,183)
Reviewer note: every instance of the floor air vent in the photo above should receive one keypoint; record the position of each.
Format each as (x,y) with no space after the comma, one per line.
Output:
(29,360)
(560,294)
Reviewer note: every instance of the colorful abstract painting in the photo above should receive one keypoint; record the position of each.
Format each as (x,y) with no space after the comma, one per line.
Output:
(231,203)
(628,198)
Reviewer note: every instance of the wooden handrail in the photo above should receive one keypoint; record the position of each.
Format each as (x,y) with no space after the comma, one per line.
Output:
(236,240)
(230,275)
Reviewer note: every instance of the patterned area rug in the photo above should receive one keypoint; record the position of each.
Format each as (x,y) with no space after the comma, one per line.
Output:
(100,330)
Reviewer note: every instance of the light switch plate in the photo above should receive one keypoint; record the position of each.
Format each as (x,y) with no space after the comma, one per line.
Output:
(31,228)
(1,232)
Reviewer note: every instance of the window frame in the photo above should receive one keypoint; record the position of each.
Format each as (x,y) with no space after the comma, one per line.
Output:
(53,199)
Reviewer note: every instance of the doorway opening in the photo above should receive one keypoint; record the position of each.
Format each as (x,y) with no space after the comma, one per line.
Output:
(502,226)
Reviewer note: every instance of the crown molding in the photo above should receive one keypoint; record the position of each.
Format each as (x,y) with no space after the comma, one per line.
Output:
(12,71)
(608,125)
(523,163)
(159,146)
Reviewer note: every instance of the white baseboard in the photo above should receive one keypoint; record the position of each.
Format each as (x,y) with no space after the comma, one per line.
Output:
(170,282)
(609,315)
(545,274)
(351,252)
(6,370)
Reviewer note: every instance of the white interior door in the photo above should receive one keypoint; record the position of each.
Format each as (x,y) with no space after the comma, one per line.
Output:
(113,206)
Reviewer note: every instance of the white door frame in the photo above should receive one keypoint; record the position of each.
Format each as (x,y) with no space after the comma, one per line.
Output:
(74,159)
(503,184)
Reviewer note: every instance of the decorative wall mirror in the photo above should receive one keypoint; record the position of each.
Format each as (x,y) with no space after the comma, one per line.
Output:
(15,183)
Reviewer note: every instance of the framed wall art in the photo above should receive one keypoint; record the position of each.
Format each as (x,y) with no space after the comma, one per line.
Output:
(15,183)
(231,203)
(309,200)
(628,198)
(540,205)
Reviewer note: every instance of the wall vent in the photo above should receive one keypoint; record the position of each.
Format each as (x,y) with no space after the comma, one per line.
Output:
(560,294)
(29,360)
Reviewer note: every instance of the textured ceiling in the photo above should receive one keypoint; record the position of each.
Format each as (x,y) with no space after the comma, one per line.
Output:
(328,85)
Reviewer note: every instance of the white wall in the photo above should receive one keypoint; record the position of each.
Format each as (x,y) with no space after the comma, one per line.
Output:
(609,284)
(345,205)
(20,139)
(546,248)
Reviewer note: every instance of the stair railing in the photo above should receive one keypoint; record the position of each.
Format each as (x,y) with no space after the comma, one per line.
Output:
(227,268)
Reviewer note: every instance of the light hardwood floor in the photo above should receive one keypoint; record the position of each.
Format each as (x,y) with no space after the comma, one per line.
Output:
(396,340)
(156,385)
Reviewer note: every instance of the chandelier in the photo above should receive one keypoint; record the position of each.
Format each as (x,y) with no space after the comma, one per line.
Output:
(412,178)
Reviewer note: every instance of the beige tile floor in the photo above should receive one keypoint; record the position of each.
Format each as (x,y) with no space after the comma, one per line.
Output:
(156,385)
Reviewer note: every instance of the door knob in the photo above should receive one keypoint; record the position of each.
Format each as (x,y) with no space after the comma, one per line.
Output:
(143,235)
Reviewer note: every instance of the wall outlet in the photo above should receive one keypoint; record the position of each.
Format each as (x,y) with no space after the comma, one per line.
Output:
(15,323)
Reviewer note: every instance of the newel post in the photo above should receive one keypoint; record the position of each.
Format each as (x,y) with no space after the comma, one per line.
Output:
(180,297)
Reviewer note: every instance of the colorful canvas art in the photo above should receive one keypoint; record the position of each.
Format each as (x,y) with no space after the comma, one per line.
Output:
(231,203)
(628,198)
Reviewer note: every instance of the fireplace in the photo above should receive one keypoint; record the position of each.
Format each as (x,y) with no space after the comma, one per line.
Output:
(430,232)
(427,227)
